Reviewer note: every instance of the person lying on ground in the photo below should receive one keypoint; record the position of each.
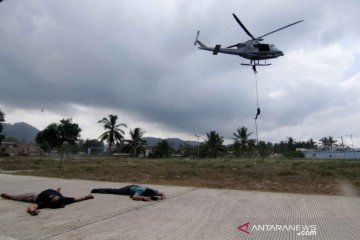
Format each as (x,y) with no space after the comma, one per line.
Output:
(46,199)
(136,192)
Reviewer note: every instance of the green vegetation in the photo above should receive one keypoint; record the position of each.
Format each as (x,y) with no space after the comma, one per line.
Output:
(242,143)
(63,136)
(113,133)
(2,119)
(269,174)
(135,146)
(163,149)
(213,144)
(55,135)
(246,164)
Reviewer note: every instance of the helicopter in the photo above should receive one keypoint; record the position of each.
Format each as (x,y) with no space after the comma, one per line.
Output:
(252,49)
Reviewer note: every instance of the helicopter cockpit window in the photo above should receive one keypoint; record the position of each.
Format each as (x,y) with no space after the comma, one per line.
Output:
(272,47)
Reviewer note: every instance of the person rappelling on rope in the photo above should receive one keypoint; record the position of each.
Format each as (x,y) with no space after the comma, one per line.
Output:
(257,113)
(254,68)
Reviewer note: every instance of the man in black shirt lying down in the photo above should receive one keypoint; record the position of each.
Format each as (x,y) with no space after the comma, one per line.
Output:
(46,199)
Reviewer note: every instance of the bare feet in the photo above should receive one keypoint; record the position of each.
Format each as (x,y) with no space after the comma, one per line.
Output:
(89,196)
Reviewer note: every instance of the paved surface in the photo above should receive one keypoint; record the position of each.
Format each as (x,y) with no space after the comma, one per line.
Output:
(188,213)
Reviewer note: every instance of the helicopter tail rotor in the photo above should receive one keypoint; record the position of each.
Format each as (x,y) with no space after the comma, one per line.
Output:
(197,41)
(197,36)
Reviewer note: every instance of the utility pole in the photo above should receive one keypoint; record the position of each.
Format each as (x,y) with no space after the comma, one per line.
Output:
(198,146)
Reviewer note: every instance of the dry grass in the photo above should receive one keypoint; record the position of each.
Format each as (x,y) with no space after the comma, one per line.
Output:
(277,175)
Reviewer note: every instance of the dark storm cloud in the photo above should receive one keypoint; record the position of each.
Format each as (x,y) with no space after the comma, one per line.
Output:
(139,57)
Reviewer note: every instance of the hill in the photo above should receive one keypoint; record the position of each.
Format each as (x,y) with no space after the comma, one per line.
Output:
(26,133)
(174,142)
(21,131)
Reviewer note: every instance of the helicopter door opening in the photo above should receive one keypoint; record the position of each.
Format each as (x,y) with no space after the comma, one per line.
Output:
(263,47)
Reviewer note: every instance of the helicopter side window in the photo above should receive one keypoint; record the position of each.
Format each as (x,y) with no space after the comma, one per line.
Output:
(263,47)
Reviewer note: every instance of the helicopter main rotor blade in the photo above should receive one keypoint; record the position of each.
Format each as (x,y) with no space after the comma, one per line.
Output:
(281,28)
(243,27)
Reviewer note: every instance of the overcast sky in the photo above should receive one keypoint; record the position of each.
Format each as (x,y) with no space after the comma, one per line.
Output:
(85,59)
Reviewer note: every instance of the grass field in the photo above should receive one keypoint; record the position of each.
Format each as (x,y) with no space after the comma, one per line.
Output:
(272,174)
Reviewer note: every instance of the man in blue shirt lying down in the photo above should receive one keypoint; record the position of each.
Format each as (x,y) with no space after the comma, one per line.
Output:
(136,192)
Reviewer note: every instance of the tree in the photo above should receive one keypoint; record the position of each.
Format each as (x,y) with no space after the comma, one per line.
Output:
(187,150)
(2,119)
(324,142)
(163,149)
(48,138)
(236,148)
(113,134)
(309,144)
(241,141)
(214,144)
(265,149)
(68,132)
(290,144)
(331,142)
(56,135)
(135,146)
(327,142)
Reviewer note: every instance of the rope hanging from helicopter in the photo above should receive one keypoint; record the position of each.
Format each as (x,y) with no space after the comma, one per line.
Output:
(257,109)
(257,105)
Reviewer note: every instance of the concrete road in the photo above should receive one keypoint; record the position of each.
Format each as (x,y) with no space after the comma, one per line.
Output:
(188,213)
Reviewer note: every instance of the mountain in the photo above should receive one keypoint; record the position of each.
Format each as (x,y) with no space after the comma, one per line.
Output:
(21,131)
(26,133)
(173,142)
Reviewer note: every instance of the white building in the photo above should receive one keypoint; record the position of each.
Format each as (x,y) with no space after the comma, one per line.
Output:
(346,154)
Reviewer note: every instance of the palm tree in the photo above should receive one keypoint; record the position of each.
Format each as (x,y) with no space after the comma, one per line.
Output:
(135,146)
(113,133)
(311,144)
(328,142)
(236,147)
(291,144)
(241,139)
(332,142)
(324,142)
(214,143)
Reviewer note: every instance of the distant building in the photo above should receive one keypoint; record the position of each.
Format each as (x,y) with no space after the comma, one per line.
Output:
(338,154)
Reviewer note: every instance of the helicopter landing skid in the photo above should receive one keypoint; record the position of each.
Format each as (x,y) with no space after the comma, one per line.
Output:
(256,64)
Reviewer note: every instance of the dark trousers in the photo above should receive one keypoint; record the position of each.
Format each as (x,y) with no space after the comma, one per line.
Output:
(119,191)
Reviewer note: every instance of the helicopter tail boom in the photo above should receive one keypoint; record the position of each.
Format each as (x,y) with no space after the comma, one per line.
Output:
(201,44)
